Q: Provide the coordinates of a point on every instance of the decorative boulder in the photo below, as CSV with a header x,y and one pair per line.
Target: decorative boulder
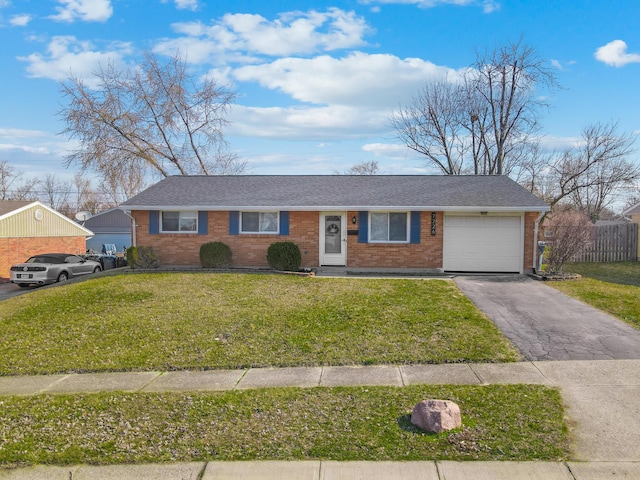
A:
x,y
436,416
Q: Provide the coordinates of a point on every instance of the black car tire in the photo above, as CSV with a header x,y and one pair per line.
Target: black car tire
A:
x,y
63,277
97,269
23,285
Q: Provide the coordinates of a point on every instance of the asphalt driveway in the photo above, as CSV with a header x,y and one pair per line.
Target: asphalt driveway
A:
x,y
545,324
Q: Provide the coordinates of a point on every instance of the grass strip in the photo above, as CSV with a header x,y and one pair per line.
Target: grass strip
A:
x,y
610,287
178,321
500,422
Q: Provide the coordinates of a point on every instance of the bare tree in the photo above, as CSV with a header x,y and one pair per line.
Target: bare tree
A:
x,y
57,194
157,117
570,232
363,168
509,81
484,121
431,125
123,184
12,187
588,176
8,176
86,197
26,190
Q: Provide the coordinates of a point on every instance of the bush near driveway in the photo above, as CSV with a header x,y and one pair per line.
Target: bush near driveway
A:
x,y
169,321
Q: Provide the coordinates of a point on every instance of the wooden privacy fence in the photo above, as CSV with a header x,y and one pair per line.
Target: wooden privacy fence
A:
x,y
612,243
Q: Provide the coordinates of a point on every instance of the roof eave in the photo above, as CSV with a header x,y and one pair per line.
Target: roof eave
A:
x,y
331,208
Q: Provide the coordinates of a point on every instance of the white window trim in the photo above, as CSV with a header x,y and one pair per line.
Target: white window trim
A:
x,y
181,232
408,227
276,232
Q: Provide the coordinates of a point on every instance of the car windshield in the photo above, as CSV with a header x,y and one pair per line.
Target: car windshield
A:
x,y
46,259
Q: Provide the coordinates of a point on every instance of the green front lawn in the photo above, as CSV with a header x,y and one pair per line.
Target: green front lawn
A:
x,y
500,422
168,321
611,287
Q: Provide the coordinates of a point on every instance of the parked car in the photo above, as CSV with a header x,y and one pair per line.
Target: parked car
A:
x,y
50,268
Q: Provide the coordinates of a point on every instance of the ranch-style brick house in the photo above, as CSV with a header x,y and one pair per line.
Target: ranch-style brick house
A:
x,y
359,222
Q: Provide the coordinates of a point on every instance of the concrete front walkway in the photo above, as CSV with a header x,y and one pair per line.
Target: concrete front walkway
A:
x,y
545,324
602,405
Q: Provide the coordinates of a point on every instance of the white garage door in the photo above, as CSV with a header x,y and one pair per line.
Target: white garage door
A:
x,y
482,244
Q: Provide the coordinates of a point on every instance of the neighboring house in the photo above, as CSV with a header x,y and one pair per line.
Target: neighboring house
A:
x,y
30,228
366,222
109,227
634,214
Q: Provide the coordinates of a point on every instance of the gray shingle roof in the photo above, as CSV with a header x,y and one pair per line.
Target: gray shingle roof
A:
x,y
327,192
8,206
109,221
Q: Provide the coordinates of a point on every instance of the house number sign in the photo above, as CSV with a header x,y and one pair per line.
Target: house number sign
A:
x,y
433,223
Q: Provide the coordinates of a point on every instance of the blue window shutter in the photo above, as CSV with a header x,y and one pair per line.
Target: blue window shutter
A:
x,y
203,223
414,228
154,222
234,222
363,227
284,223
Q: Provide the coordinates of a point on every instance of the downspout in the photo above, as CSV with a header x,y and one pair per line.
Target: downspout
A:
x,y
133,228
535,242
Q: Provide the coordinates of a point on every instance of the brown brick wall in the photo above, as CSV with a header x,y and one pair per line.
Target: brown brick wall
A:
x,y
248,250
251,250
426,254
17,250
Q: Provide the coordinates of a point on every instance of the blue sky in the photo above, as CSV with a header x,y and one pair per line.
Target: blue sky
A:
x,y
316,81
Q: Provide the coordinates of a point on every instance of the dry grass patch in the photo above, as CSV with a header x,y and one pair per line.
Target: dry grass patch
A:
x,y
500,422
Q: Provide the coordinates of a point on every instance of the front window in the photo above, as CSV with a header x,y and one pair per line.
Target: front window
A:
x,y
389,227
259,222
179,222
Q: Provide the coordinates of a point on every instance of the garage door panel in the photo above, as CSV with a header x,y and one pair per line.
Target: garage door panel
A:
x,y
483,244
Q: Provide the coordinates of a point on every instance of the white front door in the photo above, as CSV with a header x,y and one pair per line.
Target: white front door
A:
x,y
333,238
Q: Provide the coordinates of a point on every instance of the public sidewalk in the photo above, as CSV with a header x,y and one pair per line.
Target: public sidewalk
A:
x,y
602,400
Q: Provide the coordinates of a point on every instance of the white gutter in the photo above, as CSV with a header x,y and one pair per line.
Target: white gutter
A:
x,y
133,227
333,208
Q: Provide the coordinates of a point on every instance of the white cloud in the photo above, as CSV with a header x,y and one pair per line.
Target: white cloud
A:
x,y
68,56
187,5
85,10
488,6
21,133
20,20
338,98
305,123
294,33
615,54
192,5
361,80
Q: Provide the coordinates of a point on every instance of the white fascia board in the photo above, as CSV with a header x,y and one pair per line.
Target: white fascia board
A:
x,y
332,208
87,232
21,209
